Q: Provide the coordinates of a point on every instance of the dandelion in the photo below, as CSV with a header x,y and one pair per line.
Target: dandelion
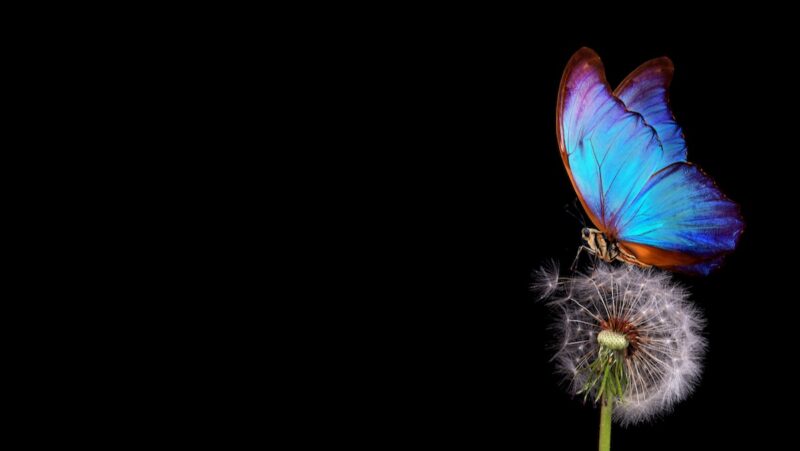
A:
x,y
630,340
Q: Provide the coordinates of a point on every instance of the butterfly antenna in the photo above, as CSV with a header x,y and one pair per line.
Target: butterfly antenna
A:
x,y
576,212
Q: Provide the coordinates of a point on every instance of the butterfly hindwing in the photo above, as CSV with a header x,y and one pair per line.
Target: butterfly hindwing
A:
x,y
682,212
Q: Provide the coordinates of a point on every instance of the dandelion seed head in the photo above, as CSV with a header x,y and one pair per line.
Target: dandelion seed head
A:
x,y
639,313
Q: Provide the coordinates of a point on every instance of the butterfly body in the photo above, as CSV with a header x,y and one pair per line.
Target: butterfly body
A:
x,y
605,249
626,158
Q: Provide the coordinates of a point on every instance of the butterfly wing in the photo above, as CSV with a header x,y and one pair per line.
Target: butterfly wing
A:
x,y
681,221
608,151
646,91
657,227
627,164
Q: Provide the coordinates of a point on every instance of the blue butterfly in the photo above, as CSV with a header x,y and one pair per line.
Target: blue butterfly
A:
x,y
626,158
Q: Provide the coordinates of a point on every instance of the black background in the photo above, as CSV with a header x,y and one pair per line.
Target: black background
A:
x,y
463,194
424,186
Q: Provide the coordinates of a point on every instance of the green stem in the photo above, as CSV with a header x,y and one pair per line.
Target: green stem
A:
x,y
605,423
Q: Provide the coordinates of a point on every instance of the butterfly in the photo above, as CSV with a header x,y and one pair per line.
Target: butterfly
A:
x,y
626,159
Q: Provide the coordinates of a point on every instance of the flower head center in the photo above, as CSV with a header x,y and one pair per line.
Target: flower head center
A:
x,y
612,340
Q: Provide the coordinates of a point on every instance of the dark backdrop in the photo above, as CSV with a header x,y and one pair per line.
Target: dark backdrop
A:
x,y
458,133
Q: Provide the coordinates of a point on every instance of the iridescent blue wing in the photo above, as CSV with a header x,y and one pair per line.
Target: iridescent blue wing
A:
x,y
635,184
608,151
681,221
646,91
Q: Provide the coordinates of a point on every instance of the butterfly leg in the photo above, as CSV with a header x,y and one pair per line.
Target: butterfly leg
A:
x,y
578,255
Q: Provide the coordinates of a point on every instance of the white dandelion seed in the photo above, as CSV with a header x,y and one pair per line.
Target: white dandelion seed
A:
x,y
643,348
546,280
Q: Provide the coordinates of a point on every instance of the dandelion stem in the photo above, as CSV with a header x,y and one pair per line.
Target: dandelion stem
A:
x,y
605,423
